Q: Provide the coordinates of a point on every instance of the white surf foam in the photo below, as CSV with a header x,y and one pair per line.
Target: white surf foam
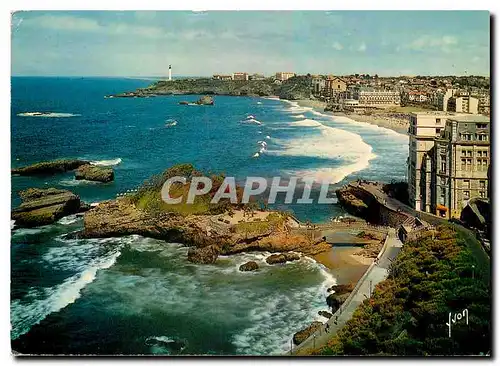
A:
x,y
75,182
12,224
268,137
329,143
25,314
252,121
298,116
110,162
269,327
306,123
48,114
68,220
170,123
256,155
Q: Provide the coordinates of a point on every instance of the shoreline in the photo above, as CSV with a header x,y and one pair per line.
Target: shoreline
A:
x,y
396,125
344,264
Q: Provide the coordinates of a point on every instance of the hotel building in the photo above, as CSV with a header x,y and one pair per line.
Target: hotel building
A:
x,y
282,76
448,161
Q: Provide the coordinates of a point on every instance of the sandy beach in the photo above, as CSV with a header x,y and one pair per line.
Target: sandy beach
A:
x,y
379,119
344,264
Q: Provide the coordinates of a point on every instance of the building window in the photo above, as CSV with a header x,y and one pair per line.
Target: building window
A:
x,y
463,165
466,184
481,194
466,195
438,120
469,153
482,184
464,153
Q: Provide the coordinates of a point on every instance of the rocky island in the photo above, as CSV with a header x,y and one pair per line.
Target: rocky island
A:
x,y
208,229
45,206
83,170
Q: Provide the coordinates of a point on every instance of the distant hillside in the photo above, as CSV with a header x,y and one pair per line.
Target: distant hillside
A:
x,y
298,87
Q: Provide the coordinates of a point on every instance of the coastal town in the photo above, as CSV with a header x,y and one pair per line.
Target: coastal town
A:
x,y
447,119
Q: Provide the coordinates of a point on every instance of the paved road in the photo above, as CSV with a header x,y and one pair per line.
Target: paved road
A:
x,y
374,275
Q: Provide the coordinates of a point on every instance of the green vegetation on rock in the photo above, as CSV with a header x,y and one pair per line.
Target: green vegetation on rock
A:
x,y
298,87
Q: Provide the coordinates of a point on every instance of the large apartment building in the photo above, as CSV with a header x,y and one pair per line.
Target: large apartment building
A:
x,y
462,159
370,96
424,128
282,75
448,161
240,76
463,104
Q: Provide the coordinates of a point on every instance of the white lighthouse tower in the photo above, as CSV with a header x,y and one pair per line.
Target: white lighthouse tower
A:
x,y
169,72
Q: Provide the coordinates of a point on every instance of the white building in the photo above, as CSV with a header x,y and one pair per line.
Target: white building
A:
x,y
368,96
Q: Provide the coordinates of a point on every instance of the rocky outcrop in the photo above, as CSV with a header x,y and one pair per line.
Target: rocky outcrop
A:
x,y
351,202
207,237
302,335
298,87
325,314
282,258
50,167
205,100
204,255
334,301
341,289
249,266
45,206
95,173
277,241
361,202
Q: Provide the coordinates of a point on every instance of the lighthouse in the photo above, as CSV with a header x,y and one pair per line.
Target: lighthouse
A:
x,y
169,72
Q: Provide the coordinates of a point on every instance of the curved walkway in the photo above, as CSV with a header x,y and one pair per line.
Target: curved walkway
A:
x,y
376,273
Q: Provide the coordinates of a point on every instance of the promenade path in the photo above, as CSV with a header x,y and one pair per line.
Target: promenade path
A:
x,y
376,273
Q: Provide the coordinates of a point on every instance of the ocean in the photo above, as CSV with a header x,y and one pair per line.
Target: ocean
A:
x,y
135,295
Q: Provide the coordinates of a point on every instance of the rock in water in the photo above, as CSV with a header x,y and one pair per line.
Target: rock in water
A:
x,y
205,100
341,289
50,167
204,255
282,258
95,173
302,335
335,300
249,266
44,206
326,314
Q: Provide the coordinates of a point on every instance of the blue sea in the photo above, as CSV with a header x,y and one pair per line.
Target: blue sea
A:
x,y
135,295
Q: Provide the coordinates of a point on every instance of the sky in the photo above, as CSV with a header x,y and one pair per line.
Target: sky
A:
x,y
144,43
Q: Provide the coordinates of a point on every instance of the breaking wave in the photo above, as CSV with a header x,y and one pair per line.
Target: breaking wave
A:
x,y
110,162
40,302
48,114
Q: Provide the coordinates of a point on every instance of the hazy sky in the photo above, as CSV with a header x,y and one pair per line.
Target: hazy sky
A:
x,y
144,43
